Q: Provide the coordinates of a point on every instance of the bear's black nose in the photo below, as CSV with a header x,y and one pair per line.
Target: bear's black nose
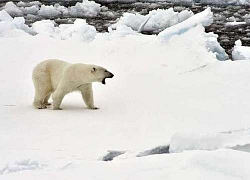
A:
x,y
112,75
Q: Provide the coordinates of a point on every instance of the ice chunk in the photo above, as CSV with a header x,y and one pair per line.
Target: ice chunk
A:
x,y
85,9
205,18
79,31
46,27
240,52
234,23
7,23
158,19
29,4
12,9
214,46
19,23
4,16
48,11
30,10
63,10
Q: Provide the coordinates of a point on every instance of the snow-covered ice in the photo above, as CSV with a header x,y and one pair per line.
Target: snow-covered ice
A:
x,y
161,90
240,52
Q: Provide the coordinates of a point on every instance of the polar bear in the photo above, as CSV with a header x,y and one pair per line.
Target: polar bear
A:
x,y
60,78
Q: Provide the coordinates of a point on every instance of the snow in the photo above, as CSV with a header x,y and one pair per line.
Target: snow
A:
x,y
240,52
159,19
165,94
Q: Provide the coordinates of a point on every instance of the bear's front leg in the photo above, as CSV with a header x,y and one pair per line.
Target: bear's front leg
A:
x,y
87,95
57,99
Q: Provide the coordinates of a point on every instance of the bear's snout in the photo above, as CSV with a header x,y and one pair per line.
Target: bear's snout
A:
x,y
109,75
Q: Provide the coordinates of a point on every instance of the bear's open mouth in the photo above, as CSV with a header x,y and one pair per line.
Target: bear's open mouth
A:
x,y
103,81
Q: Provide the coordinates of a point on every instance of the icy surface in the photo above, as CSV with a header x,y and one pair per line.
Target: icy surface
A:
x,y
240,52
192,141
158,19
160,89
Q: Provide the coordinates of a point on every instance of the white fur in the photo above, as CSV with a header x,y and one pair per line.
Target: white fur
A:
x,y
60,78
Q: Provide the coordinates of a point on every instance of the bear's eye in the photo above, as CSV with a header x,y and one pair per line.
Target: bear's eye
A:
x,y
105,71
94,69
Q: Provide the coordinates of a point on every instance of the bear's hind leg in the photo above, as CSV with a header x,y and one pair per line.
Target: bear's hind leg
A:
x,y
38,100
42,89
46,100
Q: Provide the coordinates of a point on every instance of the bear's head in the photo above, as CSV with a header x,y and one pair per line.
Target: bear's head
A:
x,y
99,74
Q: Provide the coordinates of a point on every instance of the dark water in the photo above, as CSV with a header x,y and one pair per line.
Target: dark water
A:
x,y
227,34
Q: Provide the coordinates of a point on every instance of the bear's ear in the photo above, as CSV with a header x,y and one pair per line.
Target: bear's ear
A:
x,y
93,69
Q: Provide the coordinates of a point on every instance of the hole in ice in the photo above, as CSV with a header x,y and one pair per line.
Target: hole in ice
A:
x,y
245,148
156,150
111,155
